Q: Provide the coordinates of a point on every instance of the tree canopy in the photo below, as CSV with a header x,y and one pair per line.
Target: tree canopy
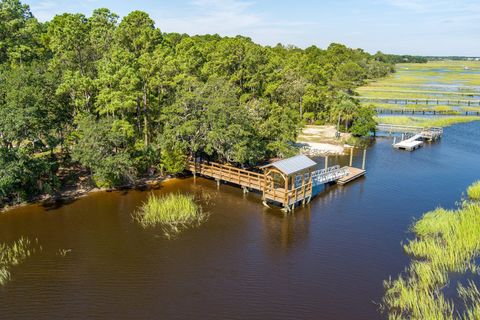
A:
x,y
121,98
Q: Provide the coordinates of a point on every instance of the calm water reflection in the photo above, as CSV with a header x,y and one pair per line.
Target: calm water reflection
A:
x,y
326,261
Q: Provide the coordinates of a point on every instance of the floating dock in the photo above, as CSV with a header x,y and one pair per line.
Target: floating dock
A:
x,y
353,173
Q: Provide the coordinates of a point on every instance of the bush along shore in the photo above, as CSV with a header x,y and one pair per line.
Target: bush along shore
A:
x,y
447,242
172,212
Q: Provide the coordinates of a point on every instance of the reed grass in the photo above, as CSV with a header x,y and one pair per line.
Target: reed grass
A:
x,y
473,191
12,255
426,122
172,212
447,241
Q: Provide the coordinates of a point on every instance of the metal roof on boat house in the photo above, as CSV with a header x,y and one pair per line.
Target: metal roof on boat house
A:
x,y
293,164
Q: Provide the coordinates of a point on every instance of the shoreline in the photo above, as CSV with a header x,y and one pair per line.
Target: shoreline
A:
x,y
322,140
73,193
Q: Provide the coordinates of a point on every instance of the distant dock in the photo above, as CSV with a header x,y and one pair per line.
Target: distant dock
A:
x,y
413,137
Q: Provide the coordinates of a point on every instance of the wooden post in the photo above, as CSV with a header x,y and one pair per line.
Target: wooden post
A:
x,y
351,156
326,162
286,190
264,184
303,186
364,158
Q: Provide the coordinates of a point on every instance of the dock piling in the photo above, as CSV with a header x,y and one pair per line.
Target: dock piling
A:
x,y
364,158
351,156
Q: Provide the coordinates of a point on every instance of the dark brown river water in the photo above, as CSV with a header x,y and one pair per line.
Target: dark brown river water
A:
x,y
326,261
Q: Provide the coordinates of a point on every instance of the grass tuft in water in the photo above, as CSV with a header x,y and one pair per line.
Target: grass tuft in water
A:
x,y
173,212
12,255
447,241
473,191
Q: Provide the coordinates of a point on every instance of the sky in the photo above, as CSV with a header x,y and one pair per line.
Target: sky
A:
x,y
419,27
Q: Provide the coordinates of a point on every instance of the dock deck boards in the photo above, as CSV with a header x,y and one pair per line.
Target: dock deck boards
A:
x,y
354,173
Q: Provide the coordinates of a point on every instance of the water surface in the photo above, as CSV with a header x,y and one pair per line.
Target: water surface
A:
x,y
326,261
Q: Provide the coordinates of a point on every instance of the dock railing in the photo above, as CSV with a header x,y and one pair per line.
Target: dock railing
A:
x,y
242,177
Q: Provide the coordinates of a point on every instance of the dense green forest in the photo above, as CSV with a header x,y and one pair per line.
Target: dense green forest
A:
x,y
119,99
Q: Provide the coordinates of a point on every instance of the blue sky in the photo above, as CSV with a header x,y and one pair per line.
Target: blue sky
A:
x,y
425,27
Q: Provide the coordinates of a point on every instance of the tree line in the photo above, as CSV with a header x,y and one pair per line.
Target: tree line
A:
x,y
393,58
119,99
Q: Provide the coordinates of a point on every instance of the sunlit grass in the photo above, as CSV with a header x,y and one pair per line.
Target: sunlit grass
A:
x,y
471,109
426,122
12,255
173,212
413,107
473,191
444,81
446,241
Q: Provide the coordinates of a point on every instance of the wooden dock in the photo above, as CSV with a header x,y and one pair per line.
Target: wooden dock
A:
x,y
286,193
405,101
287,182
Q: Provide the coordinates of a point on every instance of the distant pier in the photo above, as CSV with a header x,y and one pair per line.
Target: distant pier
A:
x,y
413,137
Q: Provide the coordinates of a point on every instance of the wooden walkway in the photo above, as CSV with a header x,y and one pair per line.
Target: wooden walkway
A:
x,y
221,172
402,101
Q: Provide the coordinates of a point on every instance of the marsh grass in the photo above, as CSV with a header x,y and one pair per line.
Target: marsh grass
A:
x,y
473,191
447,241
12,255
172,212
426,122
447,80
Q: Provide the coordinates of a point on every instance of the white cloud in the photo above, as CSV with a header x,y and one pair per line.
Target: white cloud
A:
x,y
416,5
228,17
438,6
